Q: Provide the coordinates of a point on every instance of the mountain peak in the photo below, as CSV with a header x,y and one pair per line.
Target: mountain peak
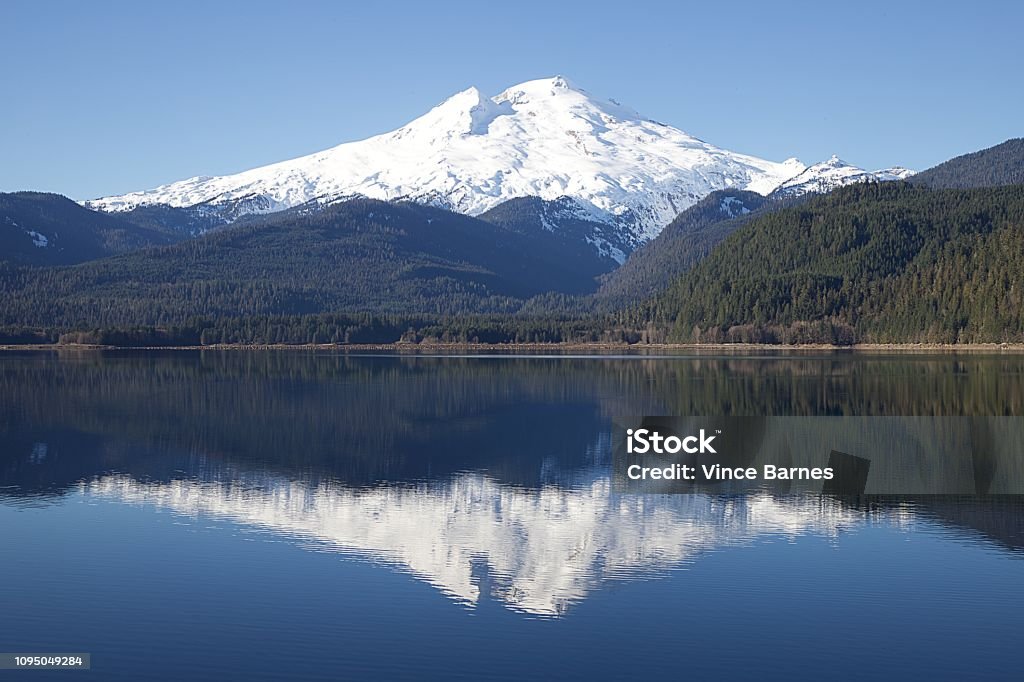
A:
x,y
472,93
549,84
468,112
832,173
540,89
562,82
461,102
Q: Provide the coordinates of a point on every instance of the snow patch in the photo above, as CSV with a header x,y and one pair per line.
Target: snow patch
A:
x,y
39,240
894,173
732,207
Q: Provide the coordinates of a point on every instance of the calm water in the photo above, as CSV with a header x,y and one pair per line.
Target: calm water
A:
x,y
242,515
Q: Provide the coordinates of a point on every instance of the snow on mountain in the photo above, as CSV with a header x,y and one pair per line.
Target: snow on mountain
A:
x,y
39,240
545,138
766,184
732,207
545,549
828,175
894,173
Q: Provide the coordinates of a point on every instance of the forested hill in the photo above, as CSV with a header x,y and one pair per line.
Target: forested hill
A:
x,y
361,255
992,167
37,228
868,263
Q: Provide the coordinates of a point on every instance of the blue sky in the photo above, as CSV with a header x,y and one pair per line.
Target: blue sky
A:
x,y
107,97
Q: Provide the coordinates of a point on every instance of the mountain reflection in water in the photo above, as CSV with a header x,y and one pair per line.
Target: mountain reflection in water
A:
x,y
544,549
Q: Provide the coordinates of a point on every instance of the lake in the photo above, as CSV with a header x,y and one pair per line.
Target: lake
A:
x,y
317,515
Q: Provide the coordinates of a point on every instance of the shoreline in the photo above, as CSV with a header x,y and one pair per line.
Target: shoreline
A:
x,y
637,349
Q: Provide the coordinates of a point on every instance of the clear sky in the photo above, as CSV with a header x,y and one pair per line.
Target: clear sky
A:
x,y
106,97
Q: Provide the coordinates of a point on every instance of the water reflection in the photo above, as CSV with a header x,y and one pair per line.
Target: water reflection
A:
x,y
543,549
486,477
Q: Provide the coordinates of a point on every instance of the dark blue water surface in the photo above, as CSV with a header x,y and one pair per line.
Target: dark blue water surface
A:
x,y
298,515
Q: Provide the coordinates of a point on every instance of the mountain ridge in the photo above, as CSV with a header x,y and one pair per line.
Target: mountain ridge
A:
x,y
362,255
823,177
41,228
1001,164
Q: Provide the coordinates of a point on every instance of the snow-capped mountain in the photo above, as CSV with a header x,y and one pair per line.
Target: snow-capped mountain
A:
x,y
894,173
828,175
544,138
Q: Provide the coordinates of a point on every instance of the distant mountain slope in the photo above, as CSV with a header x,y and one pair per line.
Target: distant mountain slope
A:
x,y
1000,165
48,229
875,262
565,221
826,176
545,138
185,222
697,230
682,244
361,255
